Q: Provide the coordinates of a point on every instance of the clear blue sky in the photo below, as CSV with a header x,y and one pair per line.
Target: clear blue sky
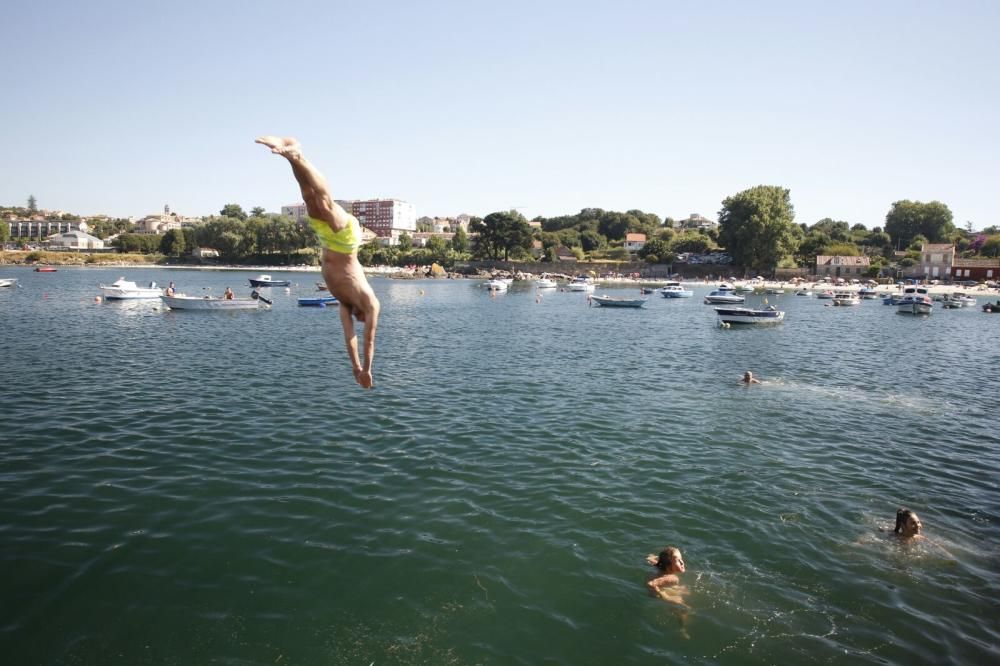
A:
x,y
550,107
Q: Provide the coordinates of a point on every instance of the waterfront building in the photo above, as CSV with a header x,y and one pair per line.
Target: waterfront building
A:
x,y
635,242
35,228
157,224
74,240
935,260
978,269
840,266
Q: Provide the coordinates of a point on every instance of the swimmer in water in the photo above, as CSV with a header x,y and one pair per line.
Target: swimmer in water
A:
x,y
908,525
667,585
748,379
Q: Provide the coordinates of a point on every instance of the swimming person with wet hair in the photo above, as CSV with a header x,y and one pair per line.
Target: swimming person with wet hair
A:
x,y
667,585
340,234
748,379
908,524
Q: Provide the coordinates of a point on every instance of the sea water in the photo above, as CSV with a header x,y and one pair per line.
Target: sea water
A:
x,y
194,487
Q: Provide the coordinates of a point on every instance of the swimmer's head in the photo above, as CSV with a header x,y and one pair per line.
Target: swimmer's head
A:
x,y
747,376
670,560
907,523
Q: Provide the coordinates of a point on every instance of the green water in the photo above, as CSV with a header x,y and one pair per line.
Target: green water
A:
x,y
194,488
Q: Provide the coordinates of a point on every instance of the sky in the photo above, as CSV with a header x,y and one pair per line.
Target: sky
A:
x,y
473,107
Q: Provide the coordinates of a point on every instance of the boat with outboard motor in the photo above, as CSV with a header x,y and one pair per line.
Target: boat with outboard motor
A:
x,y
266,281
724,294
915,301
609,302
212,303
8,282
122,289
769,315
675,290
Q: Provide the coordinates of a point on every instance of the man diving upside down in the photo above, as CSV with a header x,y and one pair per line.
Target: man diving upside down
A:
x,y
340,233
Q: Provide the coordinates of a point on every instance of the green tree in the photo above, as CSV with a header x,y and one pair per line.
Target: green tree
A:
x,y
656,251
234,211
32,204
906,219
460,241
842,250
405,242
4,232
501,234
755,226
691,241
172,243
591,240
437,247
257,211
990,247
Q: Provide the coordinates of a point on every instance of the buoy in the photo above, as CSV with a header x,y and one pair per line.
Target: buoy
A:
x,y
421,292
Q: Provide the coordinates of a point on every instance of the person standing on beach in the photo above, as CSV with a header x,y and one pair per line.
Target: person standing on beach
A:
x,y
340,233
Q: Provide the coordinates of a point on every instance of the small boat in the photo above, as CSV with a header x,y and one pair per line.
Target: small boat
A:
x,y
182,302
992,307
266,281
8,282
581,283
646,291
804,292
496,285
724,294
122,289
846,298
321,286
962,298
45,269
892,299
825,294
675,290
769,315
867,293
545,282
318,301
950,303
915,301
609,302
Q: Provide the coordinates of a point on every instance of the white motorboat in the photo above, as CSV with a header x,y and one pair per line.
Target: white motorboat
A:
x,y
825,294
675,290
496,285
724,294
609,302
915,301
545,282
8,282
846,298
182,302
804,292
867,293
581,283
263,280
122,289
769,315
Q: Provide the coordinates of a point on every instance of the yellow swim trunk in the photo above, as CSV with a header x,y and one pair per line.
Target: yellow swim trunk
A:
x,y
345,241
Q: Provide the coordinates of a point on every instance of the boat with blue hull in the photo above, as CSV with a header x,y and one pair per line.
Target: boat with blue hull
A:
x,y
318,301
609,302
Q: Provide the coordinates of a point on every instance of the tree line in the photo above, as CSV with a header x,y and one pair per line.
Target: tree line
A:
x,y
756,228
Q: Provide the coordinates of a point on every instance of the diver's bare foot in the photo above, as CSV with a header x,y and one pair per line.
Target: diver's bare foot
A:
x,y
287,145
